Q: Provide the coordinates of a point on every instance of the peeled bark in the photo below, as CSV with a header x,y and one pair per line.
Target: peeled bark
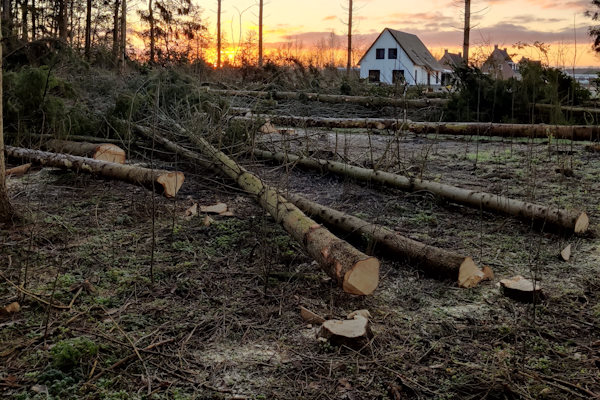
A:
x,y
570,220
331,98
164,182
540,131
354,271
433,260
103,152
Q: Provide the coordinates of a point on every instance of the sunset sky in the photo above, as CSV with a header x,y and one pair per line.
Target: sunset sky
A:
x,y
437,22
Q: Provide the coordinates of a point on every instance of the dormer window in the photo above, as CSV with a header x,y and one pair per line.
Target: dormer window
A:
x,y
380,54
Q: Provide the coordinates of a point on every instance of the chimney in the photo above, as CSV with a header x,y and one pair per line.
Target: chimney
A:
x,y
495,47
445,51
506,48
460,54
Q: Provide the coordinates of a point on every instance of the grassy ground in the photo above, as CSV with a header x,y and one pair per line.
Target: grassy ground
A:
x,y
221,318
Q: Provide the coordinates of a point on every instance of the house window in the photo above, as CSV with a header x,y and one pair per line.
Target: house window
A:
x,y
374,75
393,54
398,76
380,54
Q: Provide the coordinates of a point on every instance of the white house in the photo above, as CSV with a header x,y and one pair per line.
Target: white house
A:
x,y
399,56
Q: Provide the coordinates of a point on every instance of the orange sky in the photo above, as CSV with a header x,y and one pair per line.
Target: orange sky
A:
x,y
438,23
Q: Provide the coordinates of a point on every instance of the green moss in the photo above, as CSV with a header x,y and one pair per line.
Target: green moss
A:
x,y
68,354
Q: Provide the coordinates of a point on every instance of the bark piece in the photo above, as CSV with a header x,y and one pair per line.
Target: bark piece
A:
x,y
103,152
352,270
434,260
521,289
565,254
18,171
352,332
310,317
165,182
570,220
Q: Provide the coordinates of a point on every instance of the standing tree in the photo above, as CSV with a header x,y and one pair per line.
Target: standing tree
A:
x,y
123,49
467,31
218,33
115,32
595,30
24,12
260,33
88,29
62,20
6,211
349,62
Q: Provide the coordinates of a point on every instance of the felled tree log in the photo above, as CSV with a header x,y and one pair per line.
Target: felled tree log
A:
x,y
538,131
570,220
103,152
368,101
353,270
433,260
164,182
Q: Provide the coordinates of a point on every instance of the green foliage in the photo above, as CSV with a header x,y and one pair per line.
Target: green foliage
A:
x,y
67,354
35,100
479,97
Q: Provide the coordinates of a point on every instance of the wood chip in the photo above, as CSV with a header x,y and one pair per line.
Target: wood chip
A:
x,y
360,313
352,333
191,211
207,221
310,317
218,208
565,254
470,275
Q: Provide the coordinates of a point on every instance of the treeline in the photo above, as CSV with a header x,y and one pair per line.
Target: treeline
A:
x,y
172,30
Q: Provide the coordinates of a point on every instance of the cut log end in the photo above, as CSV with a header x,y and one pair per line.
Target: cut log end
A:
x,y
352,333
582,223
110,153
171,183
363,278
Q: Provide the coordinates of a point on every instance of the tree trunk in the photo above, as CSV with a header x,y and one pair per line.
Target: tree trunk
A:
x,y
218,33
433,260
7,24
123,48
62,21
331,98
467,31
354,271
88,30
260,33
7,212
152,39
539,131
569,220
24,22
33,20
115,36
349,62
103,152
164,182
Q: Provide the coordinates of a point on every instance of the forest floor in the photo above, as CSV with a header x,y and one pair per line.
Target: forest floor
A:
x,y
221,320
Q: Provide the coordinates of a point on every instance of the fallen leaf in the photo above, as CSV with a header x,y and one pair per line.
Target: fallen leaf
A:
x,y
268,128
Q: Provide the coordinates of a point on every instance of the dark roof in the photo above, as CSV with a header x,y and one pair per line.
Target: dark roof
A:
x,y
499,55
451,60
413,47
